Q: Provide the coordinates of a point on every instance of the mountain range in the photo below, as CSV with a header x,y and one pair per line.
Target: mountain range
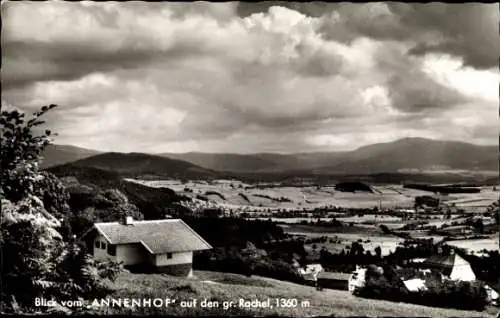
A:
x,y
404,155
408,155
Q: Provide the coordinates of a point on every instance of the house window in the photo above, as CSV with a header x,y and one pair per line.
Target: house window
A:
x,y
169,255
103,245
97,244
112,250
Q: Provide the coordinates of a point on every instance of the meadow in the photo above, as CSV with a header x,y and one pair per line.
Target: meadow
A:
x,y
233,193
243,197
478,245
223,287
336,242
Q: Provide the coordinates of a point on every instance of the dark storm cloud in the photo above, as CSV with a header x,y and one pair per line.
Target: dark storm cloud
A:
x,y
216,77
27,58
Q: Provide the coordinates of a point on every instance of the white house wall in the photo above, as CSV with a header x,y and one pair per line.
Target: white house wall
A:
x,y
462,270
359,281
99,253
131,254
462,273
177,258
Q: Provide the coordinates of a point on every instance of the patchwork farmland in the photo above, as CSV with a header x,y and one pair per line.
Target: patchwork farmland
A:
x,y
233,193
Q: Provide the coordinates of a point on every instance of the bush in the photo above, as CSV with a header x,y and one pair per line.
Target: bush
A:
x,y
40,262
448,294
215,193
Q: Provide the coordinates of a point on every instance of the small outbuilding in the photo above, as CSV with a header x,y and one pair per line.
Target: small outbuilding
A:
x,y
334,280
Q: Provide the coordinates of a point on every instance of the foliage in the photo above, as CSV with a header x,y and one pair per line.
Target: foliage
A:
x,y
442,189
215,193
494,208
40,261
454,294
249,247
21,152
346,260
31,245
486,267
415,248
387,285
53,194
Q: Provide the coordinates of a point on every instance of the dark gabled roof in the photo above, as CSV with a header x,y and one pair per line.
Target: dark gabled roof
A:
x,y
333,276
159,236
444,263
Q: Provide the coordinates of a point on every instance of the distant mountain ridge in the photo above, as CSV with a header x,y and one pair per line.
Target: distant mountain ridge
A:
x,y
402,155
418,155
55,155
141,165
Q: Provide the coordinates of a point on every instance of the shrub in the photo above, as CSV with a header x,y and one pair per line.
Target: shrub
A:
x,y
449,294
215,193
40,262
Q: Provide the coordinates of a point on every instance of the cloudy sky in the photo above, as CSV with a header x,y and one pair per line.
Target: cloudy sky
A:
x,y
246,77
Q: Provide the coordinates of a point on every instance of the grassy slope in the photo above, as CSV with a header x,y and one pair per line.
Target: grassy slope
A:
x,y
231,287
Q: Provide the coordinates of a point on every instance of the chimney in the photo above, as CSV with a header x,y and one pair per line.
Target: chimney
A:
x,y
128,220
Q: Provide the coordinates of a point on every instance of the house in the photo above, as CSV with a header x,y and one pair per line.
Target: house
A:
x,y
415,284
357,279
334,280
311,269
310,273
427,201
161,245
451,266
493,296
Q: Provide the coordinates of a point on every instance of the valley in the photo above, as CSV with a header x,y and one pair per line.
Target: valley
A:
x,y
298,209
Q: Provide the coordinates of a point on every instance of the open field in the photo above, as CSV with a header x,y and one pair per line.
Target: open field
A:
x,y
340,240
490,244
291,220
233,193
245,197
223,287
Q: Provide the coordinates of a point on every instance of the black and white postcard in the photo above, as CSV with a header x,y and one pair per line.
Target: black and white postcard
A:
x,y
277,158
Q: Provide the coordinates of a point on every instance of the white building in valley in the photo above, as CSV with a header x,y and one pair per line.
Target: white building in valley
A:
x,y
451,266
163,245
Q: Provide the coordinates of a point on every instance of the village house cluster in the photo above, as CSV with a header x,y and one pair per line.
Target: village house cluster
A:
x,y
446,267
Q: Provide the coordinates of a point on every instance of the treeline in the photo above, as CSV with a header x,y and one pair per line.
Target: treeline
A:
x,y
281,199
235,231
386,284
443,189
353,187
347,259
244,197
215,193
153,203
247,247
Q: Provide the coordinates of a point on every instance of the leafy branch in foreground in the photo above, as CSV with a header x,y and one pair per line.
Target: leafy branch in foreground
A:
x,y
21,152
36,261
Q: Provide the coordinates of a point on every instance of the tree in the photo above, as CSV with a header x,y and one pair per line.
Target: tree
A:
x,y
378,252
479,225
21,153
40,262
